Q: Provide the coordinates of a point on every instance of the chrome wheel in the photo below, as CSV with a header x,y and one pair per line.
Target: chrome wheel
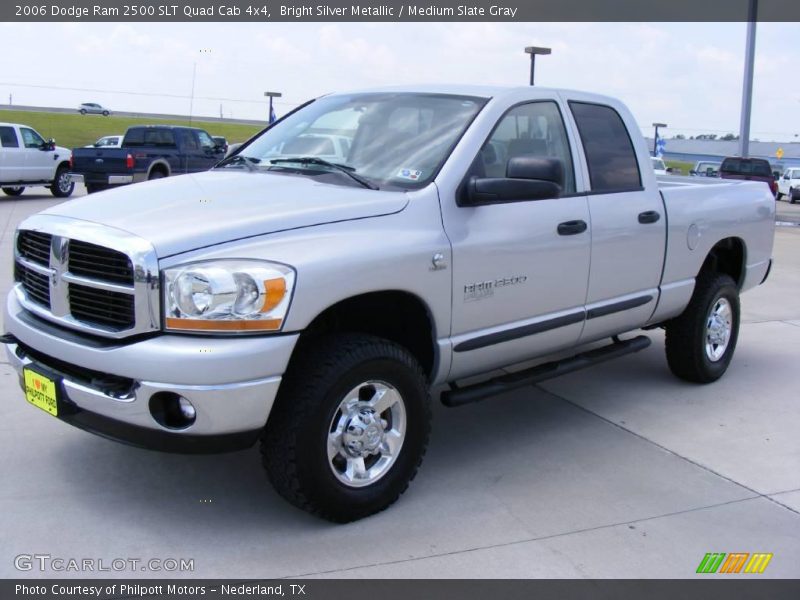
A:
x,y
719,326
64,182
366,434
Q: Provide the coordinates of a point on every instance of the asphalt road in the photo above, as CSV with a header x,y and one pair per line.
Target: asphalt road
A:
x,y
617,471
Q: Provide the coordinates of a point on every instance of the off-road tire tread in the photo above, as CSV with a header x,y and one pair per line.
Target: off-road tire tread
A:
x,y
317,366
685,356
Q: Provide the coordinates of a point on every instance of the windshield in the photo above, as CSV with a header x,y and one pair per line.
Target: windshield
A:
x,y
658,164
395,140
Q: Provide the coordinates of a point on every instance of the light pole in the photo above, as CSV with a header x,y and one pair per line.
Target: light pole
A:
x,y
271,95
655,138
747,87
533,51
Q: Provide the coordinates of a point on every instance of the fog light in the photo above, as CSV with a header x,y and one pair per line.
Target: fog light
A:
x,y
187,410
172,410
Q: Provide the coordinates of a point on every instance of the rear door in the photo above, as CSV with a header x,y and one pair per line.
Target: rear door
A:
x,y
39,163
628,223
12,155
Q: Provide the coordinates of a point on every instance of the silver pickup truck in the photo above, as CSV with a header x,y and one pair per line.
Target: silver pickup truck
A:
x,y
312,289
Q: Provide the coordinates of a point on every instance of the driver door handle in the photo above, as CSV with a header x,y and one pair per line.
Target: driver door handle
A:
x,y
572,227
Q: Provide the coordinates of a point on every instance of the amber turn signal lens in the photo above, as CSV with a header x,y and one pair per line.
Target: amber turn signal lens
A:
x,y
201,325
275,291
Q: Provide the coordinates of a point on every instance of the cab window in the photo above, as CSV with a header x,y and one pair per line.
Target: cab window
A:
x,y
533,129
8,137
30,138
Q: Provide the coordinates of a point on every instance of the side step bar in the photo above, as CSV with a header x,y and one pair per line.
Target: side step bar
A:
x,y
459,396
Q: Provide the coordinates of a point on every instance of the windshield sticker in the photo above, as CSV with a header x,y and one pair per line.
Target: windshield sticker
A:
x,y
409,174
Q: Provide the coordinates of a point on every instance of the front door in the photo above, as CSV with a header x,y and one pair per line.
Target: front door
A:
x,y
39,163
519,275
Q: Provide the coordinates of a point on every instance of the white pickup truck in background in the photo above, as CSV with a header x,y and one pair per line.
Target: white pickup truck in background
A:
x,y
27,160
314,304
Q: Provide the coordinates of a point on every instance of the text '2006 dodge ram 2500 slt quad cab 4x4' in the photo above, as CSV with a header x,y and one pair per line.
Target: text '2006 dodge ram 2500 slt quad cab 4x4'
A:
x,y
312,303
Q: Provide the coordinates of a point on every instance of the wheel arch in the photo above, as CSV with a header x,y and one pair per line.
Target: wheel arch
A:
x,y
729,256
159,165
395,315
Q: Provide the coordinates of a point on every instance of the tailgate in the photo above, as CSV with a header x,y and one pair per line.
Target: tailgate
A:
x,y
100,161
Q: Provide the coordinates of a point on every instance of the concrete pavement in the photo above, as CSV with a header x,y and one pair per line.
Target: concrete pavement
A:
x,y
617,471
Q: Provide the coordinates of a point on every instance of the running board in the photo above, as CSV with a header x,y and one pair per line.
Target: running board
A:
x,y
457,396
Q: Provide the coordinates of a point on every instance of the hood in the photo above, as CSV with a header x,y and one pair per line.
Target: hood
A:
x,y
183,213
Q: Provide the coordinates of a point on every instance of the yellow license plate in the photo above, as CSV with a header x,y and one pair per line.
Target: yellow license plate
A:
x,y
41,391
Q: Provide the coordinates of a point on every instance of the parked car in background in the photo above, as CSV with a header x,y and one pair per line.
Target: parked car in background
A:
x,y
147,152
750,169
27,160
221,142
92,108
704,168
108,141
789,185
658,165
315,305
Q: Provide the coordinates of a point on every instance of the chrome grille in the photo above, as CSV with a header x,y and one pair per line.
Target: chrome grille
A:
x,y
35,246
36,285
90,260
101,307
86,276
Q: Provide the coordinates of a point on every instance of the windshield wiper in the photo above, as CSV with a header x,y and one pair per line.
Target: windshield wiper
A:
x,y
314,160
248,161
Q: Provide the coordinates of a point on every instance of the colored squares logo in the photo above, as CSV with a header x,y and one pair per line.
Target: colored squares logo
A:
x,y
735,562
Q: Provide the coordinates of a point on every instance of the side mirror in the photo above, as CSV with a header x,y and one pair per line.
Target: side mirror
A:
x,y
527,178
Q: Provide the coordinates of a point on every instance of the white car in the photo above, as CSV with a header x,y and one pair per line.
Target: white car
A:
x,y
658,165
108,141
705,168
789,185
27,160
92,108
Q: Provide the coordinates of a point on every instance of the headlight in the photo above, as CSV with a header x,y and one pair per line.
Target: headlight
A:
x,y
227,296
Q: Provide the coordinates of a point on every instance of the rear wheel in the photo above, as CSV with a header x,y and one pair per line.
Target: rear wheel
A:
x,y
83,111
13,191
349,428
156,174
701,341
62,184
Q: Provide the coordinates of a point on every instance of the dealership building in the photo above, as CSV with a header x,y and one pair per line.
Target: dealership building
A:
x,y
715,150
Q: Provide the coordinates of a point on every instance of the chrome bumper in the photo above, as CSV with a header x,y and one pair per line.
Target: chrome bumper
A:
x,y
232,383
112,179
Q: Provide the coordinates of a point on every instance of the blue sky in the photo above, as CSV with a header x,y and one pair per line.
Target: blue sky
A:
x,y
686,75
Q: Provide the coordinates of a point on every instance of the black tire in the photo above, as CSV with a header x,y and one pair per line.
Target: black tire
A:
x,y
792,198
778,196
83,111
13,191
686,335
105,113
156,174
62,187
295,440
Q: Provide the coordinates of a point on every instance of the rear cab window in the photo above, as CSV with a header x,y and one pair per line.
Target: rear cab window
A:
x,y
610,156
746,166
142,136
8,137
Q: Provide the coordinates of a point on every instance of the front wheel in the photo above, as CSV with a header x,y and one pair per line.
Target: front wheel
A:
x,y
62,184
105,113
792,198
350,427
13,191
701,341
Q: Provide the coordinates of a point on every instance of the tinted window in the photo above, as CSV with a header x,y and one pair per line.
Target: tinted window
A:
x,y
534,129
608,148
141,136
746,166
8,137
205,140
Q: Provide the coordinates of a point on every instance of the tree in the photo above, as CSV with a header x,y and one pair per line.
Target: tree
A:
x,y
729,137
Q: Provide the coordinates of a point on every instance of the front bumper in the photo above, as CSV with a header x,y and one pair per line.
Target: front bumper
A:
x,y
106,387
